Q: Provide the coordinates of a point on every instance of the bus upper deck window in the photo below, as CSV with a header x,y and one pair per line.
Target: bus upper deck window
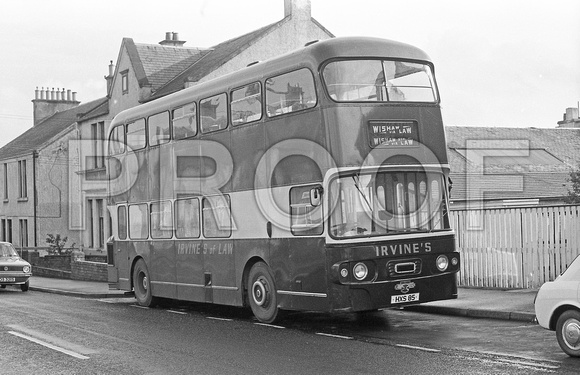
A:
x,y
117,140
214,113
380,81
136,138
158,128
246,104
184,121
290,92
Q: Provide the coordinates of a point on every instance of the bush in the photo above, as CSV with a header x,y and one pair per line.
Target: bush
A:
x,y
57,245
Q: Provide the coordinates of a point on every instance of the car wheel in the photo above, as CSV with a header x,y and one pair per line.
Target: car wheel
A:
x,y
24,287
142,285
262,293
568,332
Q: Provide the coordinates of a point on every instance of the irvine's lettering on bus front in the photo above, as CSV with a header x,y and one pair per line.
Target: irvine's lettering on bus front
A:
x,y
211,248
402,249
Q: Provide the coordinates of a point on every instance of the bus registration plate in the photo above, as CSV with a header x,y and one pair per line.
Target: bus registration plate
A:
x,y
7,279
413,297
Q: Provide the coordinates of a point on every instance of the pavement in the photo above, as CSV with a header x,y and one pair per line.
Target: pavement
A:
x,y
513,304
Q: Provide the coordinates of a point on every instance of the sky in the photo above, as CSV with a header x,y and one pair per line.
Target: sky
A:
x,y
498,63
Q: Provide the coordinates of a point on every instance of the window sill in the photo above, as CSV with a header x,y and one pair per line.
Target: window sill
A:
x,y
24,199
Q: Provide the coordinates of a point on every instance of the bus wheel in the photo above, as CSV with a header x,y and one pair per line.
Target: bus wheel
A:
x,y
262,293
142,285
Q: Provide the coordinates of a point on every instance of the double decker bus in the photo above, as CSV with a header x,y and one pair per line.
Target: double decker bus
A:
x,y
317,180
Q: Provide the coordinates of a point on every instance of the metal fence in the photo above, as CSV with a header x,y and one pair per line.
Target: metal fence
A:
x,y
516,247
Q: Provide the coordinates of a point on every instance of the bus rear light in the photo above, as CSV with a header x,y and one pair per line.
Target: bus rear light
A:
x,y
360,271
442,263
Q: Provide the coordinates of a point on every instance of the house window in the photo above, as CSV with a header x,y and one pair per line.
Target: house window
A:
x,y
98,153
22,188
23,232
8,231
3,229
125,81
5,181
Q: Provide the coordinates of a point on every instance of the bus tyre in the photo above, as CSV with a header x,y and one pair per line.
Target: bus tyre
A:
x,y
262,293
141,285
568,332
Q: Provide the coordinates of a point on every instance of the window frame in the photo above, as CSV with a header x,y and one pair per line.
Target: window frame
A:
x,y
201,117
195,116
260,100
151,137
314,91
142,145
177,221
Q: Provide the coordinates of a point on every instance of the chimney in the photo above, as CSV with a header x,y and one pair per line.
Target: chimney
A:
x,y
297,9
172,39
48,102
109,78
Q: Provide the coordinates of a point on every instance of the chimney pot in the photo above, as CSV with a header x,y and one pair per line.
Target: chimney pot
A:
x,y
74,96
36,93
68,98
175,36
168,35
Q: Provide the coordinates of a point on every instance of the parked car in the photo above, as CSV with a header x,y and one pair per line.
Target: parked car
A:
x,y
13,269
557,307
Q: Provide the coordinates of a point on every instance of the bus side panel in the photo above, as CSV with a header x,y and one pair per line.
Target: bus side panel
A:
x,y
189,270
299,265
219,271
162,268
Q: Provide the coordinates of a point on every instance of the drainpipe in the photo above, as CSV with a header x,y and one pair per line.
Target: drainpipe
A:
x,y
35,198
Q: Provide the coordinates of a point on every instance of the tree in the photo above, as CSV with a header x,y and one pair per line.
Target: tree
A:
x,y
573,196
57,244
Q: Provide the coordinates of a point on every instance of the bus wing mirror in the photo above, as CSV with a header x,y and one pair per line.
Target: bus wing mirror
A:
x,y
316,196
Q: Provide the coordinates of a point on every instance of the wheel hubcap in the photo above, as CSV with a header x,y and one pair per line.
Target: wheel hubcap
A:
x,y
260,292
144,283
571,333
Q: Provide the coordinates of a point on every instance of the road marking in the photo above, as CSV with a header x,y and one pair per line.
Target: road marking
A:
x,y
269,325
177,312
50,346
224,319
418,348
334,336
141,307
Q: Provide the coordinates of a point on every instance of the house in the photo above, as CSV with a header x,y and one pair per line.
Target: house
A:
x,y
503,167
54,178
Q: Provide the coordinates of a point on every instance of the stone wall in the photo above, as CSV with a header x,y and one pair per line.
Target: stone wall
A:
x,y
67,266
88,271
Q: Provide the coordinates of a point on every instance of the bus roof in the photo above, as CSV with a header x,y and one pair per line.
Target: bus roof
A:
x,y
313,54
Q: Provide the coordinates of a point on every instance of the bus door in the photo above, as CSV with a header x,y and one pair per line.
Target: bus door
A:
x,y
189,250
307,257
218,251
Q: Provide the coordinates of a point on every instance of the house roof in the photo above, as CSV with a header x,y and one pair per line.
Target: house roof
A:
x,y
37,136
155,64
511,163
212,59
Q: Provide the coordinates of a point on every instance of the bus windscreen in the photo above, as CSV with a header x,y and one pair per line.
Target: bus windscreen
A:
x,y
379,81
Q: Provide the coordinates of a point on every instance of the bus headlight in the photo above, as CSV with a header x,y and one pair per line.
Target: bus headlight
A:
x,y
442,263
360,271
